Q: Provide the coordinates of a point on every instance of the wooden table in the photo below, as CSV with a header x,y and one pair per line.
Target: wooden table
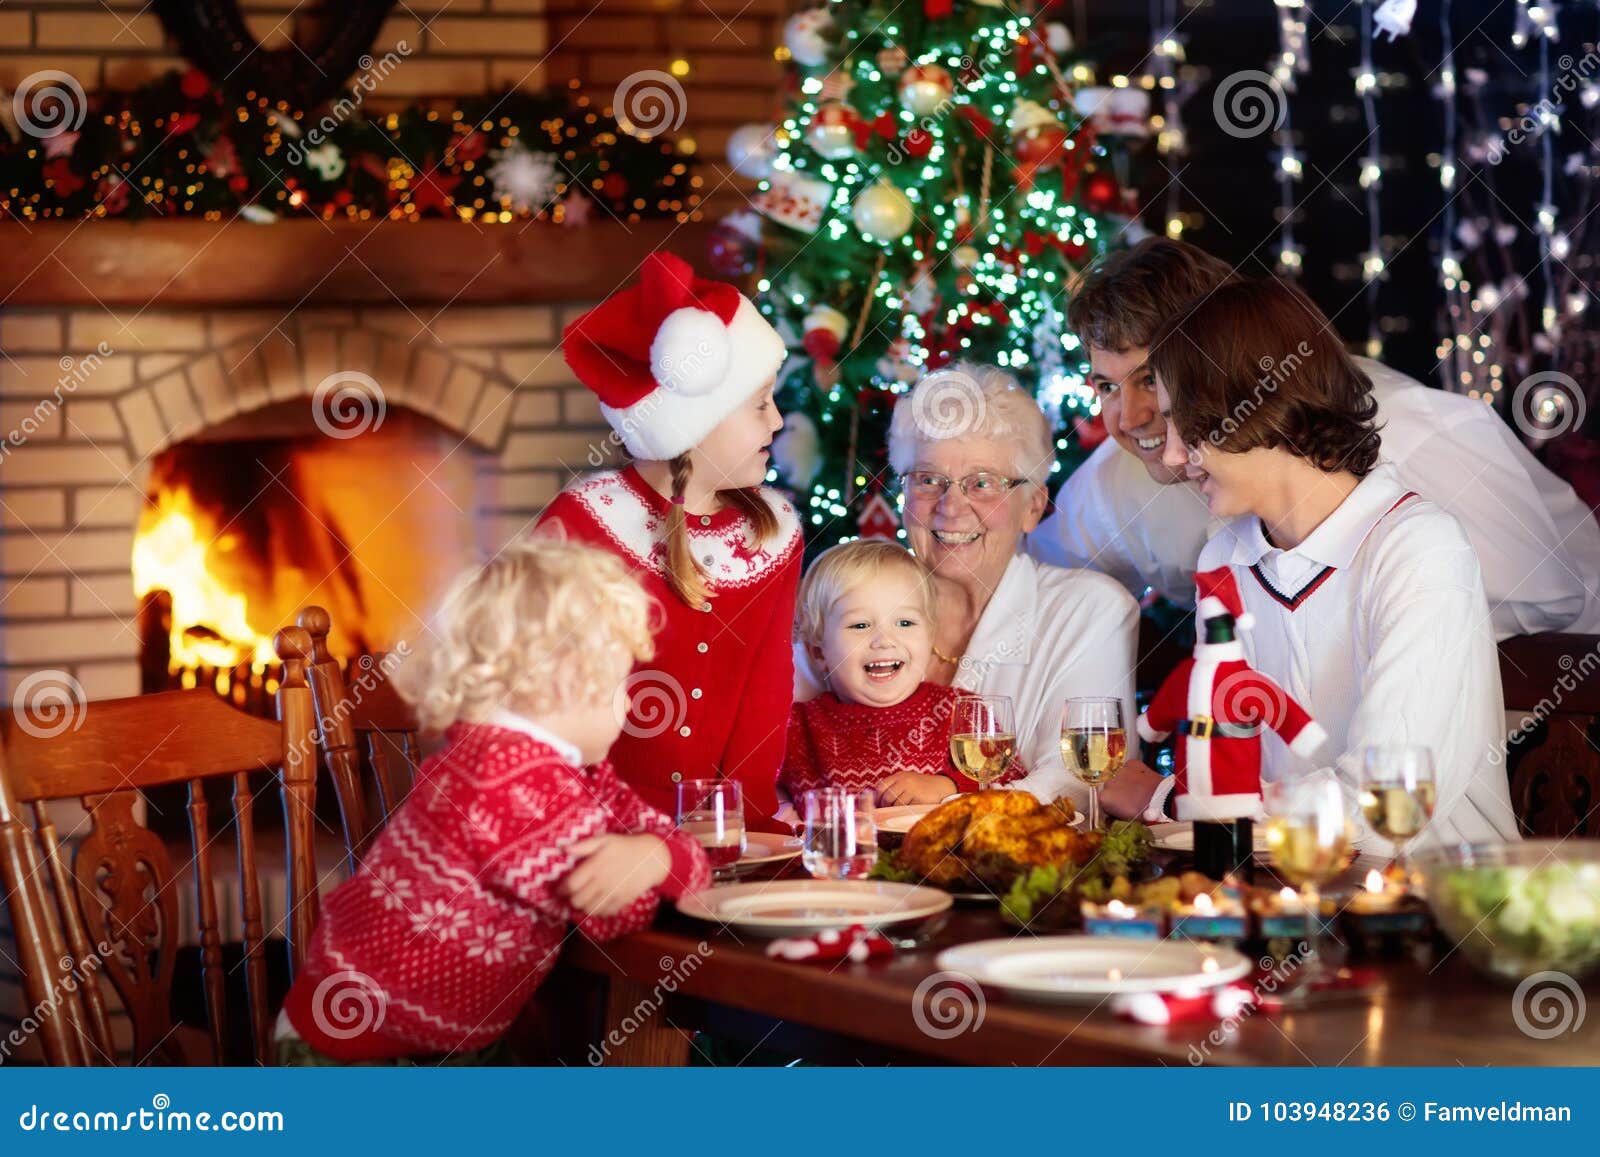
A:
x,y
661,983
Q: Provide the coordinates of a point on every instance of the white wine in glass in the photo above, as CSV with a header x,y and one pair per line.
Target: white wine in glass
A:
x,y
1309,835
1094,745
983,738
1398,792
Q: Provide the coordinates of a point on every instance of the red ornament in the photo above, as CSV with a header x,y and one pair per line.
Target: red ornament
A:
x,y
60,175
470,147
1091,431
919,143
877,518
886,126
431,189
937,9
194,84
821,344
182,123
615,186
113,195
1101,192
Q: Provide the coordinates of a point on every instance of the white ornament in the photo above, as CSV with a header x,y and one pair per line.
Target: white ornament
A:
x,y
1393,17
1091,104
832,131
925,88
1029,116
751,150
882,212
797,450
805,37
795,201
1127,112
327,161
524,179
1058,38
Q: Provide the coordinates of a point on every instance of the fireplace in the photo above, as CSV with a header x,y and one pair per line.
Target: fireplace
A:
x,y
224,433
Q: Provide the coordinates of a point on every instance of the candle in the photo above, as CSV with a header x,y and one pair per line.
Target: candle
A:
x,y
1211,917
1376,895
1116,918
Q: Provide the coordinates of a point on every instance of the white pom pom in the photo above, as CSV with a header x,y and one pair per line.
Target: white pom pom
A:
x,y
1245,621
690,353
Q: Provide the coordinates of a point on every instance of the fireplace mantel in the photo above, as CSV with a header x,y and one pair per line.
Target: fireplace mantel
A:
x,y
310,262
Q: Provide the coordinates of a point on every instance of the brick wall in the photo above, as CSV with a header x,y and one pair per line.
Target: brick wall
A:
x,y
456,47
72,488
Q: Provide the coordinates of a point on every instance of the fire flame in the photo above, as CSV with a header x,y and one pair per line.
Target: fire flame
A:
x,y
210,621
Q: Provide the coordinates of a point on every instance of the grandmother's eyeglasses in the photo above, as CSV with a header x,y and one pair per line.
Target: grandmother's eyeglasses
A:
x,y
978,488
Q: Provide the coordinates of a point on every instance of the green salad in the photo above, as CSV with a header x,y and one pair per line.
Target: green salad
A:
x,y
1520,917
1125,846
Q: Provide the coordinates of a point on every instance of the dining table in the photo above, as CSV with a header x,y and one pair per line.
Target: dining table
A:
x,y
671,988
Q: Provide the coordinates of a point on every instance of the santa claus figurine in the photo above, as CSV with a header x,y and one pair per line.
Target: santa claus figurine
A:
x,y
1218,705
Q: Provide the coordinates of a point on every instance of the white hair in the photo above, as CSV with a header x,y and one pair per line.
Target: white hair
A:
x,y
970,400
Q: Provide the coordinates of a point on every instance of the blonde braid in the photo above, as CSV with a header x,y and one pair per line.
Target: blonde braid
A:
x,y
683,573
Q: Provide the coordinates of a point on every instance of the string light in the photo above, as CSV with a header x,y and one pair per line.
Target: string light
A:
x,y
1293,60
1371,179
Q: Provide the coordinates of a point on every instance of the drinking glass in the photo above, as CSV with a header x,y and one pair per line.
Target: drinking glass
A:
x,y
983,737
712,811
1094,744
841,839
1309,834
1398,793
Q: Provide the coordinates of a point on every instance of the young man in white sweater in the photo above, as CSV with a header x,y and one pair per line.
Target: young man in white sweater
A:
x,y
1367,597
1128,515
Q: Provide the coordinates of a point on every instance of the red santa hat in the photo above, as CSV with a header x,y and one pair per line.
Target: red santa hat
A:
x,y
1218,594
671,356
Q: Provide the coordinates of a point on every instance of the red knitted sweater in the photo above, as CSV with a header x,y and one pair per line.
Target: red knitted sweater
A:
x,y
452,920
715,697
837,744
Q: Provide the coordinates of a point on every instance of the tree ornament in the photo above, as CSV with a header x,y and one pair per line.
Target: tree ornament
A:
x,y
797,450
1126,113
326,161
806,36
877,518
837,85
965,257
824,329
751,149
1037,138
734,244
796,201
882,212
924,89
892,61
1101,192
833,130
1093,105
1058,38
896,364
524,180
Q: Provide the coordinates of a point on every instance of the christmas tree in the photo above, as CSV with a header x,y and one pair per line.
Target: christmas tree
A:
x,y
934,185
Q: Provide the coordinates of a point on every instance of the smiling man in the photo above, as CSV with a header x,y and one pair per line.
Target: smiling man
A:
x,y
1127,513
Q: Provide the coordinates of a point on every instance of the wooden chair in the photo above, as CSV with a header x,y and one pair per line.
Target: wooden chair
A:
x,y
1553,758
367,734
114,908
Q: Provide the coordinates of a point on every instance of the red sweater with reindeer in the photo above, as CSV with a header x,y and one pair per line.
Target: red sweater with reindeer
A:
x,y
716,697
852,746
453,919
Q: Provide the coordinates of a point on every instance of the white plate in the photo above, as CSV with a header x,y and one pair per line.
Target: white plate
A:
x,y
1085,969
767,849
1179,837
803,907
901,819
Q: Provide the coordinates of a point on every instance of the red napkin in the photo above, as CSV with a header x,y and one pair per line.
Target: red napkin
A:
x,y
856,943
1174,1008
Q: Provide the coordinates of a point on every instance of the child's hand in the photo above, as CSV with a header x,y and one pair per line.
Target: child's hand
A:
x,y
613,871
908,787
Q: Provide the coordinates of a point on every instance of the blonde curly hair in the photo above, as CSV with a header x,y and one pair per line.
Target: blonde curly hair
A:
x,y
839,569
544,626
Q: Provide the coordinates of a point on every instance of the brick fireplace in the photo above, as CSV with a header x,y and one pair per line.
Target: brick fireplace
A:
x,y
92,392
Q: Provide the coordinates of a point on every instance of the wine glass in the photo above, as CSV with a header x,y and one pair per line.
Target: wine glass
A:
x,y
841,840
1094,744
712,811
1398,793
1309,835
983,737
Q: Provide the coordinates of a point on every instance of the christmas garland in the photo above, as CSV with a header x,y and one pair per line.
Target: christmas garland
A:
x,y
182,147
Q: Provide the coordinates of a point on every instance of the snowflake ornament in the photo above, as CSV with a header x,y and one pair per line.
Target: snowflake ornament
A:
x,y
525,180
326,161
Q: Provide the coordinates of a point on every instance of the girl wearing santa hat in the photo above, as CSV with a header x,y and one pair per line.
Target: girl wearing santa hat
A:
x,y
684,370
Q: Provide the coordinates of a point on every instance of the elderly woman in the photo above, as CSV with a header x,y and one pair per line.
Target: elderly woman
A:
x,y
973,452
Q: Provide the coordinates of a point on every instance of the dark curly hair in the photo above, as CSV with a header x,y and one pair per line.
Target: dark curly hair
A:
x,y
1256,363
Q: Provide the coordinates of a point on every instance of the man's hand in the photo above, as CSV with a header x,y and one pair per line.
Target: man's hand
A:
x,y
1126,796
